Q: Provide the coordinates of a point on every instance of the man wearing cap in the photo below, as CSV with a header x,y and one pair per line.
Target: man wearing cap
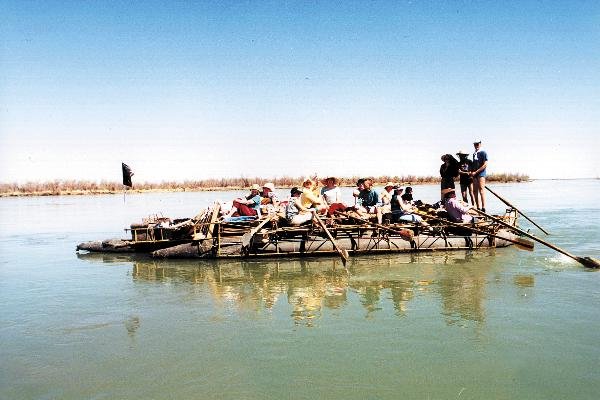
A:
x,y
466,181
480,161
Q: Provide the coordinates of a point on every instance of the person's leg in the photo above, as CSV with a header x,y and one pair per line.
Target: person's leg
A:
x,y
244,210
482,192
470,187
301,219
463,191
476,190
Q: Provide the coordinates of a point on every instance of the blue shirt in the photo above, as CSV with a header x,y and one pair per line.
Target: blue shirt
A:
x,y
479,157
368,198
256,199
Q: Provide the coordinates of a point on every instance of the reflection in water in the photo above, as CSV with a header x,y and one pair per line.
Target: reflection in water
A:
x,y
309,286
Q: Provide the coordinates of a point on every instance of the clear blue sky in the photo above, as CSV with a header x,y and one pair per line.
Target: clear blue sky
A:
x,y
190,90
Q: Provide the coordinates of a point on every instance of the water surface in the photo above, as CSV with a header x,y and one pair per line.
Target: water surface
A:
x,y
497,324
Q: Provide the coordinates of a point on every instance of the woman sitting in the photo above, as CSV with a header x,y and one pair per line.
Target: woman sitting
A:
x,y
310,197
295,213
405,211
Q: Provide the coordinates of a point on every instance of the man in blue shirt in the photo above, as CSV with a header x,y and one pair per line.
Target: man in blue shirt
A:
x,y
480,162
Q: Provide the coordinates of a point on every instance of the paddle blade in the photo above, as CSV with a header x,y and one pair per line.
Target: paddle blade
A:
x,y
524,244
589,262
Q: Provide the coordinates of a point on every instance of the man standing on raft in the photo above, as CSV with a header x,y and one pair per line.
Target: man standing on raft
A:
x,y
480,161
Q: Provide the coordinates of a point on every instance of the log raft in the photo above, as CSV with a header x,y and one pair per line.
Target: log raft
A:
x,y
205,237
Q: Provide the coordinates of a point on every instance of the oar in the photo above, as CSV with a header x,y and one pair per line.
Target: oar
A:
x,y
342,252
585,261
374,224
520,243
519,211
248,236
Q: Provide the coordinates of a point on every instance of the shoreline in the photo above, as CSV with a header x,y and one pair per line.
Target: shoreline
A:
x,y
114,189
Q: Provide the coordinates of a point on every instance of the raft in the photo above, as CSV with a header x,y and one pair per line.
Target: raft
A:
x,y
207,237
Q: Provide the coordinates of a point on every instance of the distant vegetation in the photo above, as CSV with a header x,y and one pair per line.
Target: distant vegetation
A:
x,y
73,187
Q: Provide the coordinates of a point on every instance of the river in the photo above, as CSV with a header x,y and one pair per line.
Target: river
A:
x,y
493,324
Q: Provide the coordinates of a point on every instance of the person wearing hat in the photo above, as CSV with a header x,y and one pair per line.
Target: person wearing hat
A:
x,y
457,210
464,170
248,206
385,198
268,195
448,172
480,162
295,213
367,198
310,197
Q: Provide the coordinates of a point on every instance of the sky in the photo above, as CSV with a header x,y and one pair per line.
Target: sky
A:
x,y
184,90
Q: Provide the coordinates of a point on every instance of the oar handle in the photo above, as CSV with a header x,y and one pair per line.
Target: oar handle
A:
x,y
502,199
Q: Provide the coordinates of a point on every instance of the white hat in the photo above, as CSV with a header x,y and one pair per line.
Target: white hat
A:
x,y
461,151
270,186
255,187
390,184
476,141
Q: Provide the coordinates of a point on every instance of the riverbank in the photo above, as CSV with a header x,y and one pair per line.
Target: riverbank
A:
x,y
78,188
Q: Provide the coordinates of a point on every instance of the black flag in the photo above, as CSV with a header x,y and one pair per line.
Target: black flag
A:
x,y
127,174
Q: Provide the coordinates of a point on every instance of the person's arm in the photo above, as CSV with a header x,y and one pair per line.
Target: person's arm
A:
x,y
310,195
478,170
299,204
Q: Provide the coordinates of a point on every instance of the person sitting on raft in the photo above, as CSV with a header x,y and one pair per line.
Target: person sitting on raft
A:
x,y
367,198
332,195
310,197
248,206
295,213
406,211
385,206
457,210
269,200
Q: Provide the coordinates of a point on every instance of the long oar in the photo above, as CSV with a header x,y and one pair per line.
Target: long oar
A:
x,y
342,252
249,236
585,261
520,243
372,223
519,211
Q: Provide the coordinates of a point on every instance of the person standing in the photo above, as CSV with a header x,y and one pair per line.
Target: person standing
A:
x,y
448,171
480,162
465,166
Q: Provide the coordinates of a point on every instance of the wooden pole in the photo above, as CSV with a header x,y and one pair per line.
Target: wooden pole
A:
x,y
342,252
585,261
519,211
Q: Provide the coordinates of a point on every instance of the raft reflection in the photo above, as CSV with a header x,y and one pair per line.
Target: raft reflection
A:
x,y
311,286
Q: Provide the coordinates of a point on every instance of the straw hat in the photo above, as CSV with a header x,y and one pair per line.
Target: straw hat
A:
x,y
389,184
335,180
270,186
255,187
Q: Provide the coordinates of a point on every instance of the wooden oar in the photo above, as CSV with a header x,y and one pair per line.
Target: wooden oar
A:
x,y
519,211
342,252
520,243
585,261
248,236
386,228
